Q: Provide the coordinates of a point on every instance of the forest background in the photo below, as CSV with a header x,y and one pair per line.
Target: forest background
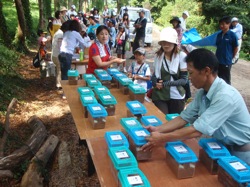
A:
x,y
20,20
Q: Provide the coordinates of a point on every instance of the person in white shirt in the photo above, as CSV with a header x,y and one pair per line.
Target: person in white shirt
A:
x,y
72,11
71,40
238,30
170,74
105,15
185,15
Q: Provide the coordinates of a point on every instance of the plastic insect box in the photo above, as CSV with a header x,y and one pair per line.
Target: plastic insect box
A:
x,y
233,172
132,177
105,79
85,91
116,77
88,76
121,158
93,82
135,109
136,92
85,100
170,117
73,77
151,120
123,84
210,152
116,139
97,115
181,159
129,123
109,102
136,141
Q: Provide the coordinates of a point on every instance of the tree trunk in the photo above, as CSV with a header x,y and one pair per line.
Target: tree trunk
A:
x,y
29,149
41,23
20,35
3,28
33,175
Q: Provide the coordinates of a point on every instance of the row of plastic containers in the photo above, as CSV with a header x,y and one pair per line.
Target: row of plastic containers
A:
x,y
106,78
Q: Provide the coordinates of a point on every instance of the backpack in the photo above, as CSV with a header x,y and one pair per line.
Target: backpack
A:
x,y
37,60
144,68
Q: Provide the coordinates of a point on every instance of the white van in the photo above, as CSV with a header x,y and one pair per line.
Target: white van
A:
x,y
133,16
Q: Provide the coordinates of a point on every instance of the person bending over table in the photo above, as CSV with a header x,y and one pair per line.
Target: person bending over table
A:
x,y
99,52
218,110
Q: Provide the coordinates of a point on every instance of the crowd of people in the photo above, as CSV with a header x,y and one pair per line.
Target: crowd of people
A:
x,y
217,110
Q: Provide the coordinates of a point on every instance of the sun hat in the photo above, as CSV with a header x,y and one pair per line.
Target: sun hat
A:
x,y
234,19
175,19
73,6
186,12
140,50
63,8
168,35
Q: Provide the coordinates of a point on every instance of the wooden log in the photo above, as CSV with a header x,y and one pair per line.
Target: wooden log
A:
x,y
6,126
6,174
29,149
33,176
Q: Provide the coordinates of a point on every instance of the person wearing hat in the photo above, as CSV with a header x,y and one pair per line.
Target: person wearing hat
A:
x,y
238,30
227,47
91,31
218,110
140,29
64,16
170,74
183,19
139,70
175,21
72,11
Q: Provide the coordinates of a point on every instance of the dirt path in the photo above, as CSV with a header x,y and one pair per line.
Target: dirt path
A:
x,y
45,102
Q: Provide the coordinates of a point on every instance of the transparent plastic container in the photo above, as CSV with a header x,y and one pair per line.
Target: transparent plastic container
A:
x,y
85,91
132,177
136,141
136,92
210,152
92,83
129,123
116,77
181,159
121,158
116,139
169,117
97,115
85,100
105,79
135,109
233,172
73,77
109,102
123,84
151,120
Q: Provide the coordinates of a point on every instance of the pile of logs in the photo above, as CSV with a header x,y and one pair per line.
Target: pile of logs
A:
x,y
38,149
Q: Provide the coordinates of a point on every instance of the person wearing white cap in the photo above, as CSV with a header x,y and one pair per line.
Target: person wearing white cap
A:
x,y
72,11
170,74
238,30
185,15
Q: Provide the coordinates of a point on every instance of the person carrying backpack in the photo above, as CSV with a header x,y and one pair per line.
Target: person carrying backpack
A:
x,y
139,71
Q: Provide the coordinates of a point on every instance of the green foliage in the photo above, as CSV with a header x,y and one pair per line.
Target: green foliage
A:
x,y
10,82
233,8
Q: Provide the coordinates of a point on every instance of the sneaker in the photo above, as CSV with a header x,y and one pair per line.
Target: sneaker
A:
x,y
124,70
132,57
